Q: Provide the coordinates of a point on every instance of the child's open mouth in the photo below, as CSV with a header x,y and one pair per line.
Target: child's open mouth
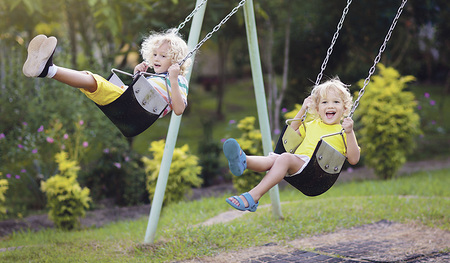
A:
x,y
330,114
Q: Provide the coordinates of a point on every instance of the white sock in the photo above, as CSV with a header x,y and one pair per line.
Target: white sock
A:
x,y
52,71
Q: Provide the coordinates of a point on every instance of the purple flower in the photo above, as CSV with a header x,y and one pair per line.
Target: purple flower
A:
x,y
24,124
41,128
34,151
283,110
419,107
232,122
50,140
432,102
8,175
23,171
85,144
433,122
276,131
20,146
66,136
2,136
63,147
81,122
17,176
106,150
426,95
223,140
118,165
127,159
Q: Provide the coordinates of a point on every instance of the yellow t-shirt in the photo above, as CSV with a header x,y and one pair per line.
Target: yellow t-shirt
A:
x,y
316,129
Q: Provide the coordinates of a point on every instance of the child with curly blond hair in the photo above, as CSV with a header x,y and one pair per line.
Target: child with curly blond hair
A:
x,y
329,102
161,51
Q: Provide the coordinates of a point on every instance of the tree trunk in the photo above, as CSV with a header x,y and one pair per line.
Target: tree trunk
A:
x,y
223,54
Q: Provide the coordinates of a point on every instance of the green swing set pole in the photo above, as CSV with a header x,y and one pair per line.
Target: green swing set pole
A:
x,y
172,135
258,83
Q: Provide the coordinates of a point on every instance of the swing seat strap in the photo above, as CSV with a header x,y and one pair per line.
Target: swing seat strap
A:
x,y
291,139
329,159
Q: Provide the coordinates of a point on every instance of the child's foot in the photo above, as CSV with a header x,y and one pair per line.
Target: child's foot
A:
x,y
39,59
244,202
237,160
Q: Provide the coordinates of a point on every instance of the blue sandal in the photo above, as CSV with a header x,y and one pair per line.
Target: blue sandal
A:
x,y
252,206
237,160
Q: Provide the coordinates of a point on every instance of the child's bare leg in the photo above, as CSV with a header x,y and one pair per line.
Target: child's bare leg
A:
x,y
284,164
76,79
260,163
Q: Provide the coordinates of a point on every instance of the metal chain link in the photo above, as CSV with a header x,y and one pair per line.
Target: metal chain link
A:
x,y
215,29
378,57
189,17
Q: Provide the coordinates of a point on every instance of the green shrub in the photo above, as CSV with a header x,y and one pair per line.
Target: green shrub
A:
x,y
250,142
389,122
3,189
183,174
66,200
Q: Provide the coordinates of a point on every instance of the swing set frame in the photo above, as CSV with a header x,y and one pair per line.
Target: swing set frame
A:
x,y
258,82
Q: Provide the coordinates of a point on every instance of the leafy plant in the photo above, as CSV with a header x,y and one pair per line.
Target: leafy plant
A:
x,y
66,199
118,174
3,189
389,122
183,174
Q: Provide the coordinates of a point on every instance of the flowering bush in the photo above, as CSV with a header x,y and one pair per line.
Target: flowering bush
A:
x,y
429,113
26,161
118,175
183,175
67,201
389,122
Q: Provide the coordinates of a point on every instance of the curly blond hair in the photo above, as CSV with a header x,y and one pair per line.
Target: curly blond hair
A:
x,y
177,51
334,84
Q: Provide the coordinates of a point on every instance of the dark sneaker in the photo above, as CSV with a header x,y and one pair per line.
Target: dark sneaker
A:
x,y
40,54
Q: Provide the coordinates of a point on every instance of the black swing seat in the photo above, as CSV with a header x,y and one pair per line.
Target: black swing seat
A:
x,y
137,108
320,173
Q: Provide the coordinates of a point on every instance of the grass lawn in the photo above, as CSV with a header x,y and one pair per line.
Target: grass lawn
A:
x,y
422,198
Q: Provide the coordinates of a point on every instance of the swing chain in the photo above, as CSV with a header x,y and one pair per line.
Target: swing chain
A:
x,y
378,57
215,29
189,17
333,41
330,49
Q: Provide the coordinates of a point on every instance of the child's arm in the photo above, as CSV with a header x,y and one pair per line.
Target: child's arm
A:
x,y
306,103
178,105
353,153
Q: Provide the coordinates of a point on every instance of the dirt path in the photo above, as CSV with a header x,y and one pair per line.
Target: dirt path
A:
x,y
383,241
